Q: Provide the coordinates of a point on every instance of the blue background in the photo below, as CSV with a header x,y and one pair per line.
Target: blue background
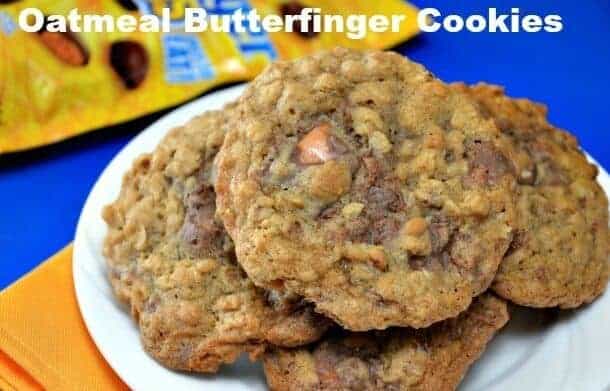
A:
x,y
42,191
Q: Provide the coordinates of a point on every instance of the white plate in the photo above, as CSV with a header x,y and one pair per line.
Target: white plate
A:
x,y
532,352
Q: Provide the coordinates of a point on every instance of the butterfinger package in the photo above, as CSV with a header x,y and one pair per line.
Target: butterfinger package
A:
x,y
54,85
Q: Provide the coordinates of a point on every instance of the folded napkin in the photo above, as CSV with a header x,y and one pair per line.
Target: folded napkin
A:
x,y
44,343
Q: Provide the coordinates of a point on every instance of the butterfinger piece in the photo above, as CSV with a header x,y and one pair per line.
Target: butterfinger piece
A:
x,y
315,147
436,358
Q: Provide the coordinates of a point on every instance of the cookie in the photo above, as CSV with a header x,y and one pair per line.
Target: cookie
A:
x,y
435,358
363,184
171,261
560,253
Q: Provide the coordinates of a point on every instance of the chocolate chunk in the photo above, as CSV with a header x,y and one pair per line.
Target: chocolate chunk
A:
x,y
487,164
385,198
348,362
381,194
130,61
201,232
440,233
383,229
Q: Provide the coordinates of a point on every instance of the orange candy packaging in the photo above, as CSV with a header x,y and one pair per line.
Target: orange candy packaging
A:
x,y
56,85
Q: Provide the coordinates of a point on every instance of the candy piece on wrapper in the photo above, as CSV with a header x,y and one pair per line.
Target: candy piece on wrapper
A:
x,y
130,61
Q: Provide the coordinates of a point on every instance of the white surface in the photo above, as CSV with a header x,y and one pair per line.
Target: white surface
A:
x,y
569,353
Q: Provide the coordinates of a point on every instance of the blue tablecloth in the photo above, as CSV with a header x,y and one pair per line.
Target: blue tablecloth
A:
x,y
42,191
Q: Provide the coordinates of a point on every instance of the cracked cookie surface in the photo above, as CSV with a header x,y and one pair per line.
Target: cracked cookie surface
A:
x,y
363,184
435,358
560,253
172,263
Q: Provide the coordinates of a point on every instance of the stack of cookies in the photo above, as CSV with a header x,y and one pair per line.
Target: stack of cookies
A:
x,y
355,223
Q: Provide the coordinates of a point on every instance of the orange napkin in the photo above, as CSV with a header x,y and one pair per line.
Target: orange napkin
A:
x,y
44,343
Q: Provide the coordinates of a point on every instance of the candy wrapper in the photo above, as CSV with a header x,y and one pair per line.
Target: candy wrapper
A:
x,y
57,85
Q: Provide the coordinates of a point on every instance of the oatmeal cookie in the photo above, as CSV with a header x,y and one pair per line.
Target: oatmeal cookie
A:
x,y
171,261
559,256
435,358
363,184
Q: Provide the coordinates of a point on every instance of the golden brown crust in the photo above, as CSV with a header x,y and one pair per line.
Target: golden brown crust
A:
x,y
362,183
560,254
171,261
433,359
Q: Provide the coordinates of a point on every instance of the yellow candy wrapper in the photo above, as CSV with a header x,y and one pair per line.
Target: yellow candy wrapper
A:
x,y
54,85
